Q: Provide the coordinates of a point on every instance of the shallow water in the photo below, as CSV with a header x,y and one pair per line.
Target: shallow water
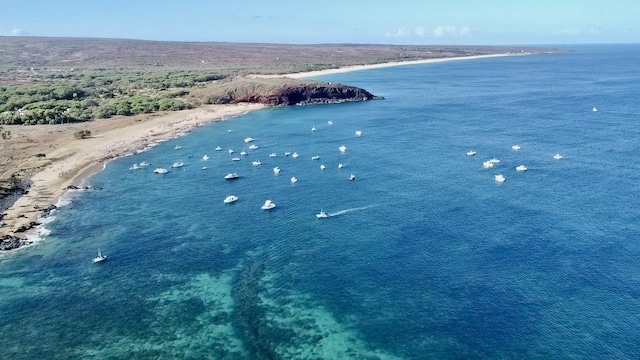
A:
x,y
424,255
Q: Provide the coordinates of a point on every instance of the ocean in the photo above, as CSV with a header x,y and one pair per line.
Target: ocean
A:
x,y
423,256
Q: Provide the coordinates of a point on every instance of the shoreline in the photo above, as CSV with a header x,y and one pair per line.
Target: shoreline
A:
x,y
74,161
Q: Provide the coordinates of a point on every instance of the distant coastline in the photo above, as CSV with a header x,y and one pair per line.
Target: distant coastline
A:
x,y
81,158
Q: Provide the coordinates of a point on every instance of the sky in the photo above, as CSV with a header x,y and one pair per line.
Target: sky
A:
x,y
426,22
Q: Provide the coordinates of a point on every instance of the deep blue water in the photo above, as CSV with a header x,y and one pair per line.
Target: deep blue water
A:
x,y
425,256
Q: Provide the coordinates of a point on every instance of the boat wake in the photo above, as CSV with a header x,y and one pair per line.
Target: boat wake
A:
x,y
346,211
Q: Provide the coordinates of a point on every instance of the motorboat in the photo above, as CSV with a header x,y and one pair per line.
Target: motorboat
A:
x,y
295,155
471,153
313,128
253,146
204,168
495,160
244,153
342,148
330,122
322,167
231,176
286,153
487,164
315,157
230,151
516,147
268,205
273,155
521,168
229,199
99,258
358,132
235,159
144,164
248,139
594,109
177,164
178,147
218,148
134,167
500,178
160,171
557,156
276,170
322,215
256,163
340,166
205,157
294,179
352,177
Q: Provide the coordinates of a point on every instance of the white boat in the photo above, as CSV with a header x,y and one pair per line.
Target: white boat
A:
x,y
229,199
342,148
500,178
494,160
243,153
352,177
295,155
218,148
521,168
313,128
276,170
594,109
144,164
99,258
204,168
557,156
160,171
253,146
286,153
294,179
471,153
248,139
231,176
315,157
230,151
340,166
273,155
177,164
358,132
268,205
235,159
322,215
256,163
487,164
205,157
516,147
330,122
322,167
178,147
134,167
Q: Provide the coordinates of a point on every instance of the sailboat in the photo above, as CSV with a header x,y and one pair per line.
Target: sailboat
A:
x,y
99,258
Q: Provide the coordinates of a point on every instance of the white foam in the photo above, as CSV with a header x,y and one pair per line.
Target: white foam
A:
x,y
341,212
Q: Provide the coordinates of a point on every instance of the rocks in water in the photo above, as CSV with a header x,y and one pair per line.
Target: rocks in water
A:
x,y
28,227
11,242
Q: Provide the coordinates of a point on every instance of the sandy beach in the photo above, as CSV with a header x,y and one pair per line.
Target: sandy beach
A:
x,y
71,161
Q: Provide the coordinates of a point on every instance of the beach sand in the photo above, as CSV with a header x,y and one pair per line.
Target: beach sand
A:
x,y
71,161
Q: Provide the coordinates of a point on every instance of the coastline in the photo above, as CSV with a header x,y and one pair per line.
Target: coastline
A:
x,y
73,161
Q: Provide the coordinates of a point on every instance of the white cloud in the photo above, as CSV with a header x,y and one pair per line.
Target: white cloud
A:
x,y
420,31
13,32
401,32
451,31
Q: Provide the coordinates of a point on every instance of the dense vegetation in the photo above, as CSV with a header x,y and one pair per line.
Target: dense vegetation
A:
x,y
72,95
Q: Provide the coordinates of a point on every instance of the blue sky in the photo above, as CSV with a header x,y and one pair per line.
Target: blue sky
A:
x,y
426,22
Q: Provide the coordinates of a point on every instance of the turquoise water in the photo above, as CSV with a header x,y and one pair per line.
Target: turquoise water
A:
x,y
424,254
